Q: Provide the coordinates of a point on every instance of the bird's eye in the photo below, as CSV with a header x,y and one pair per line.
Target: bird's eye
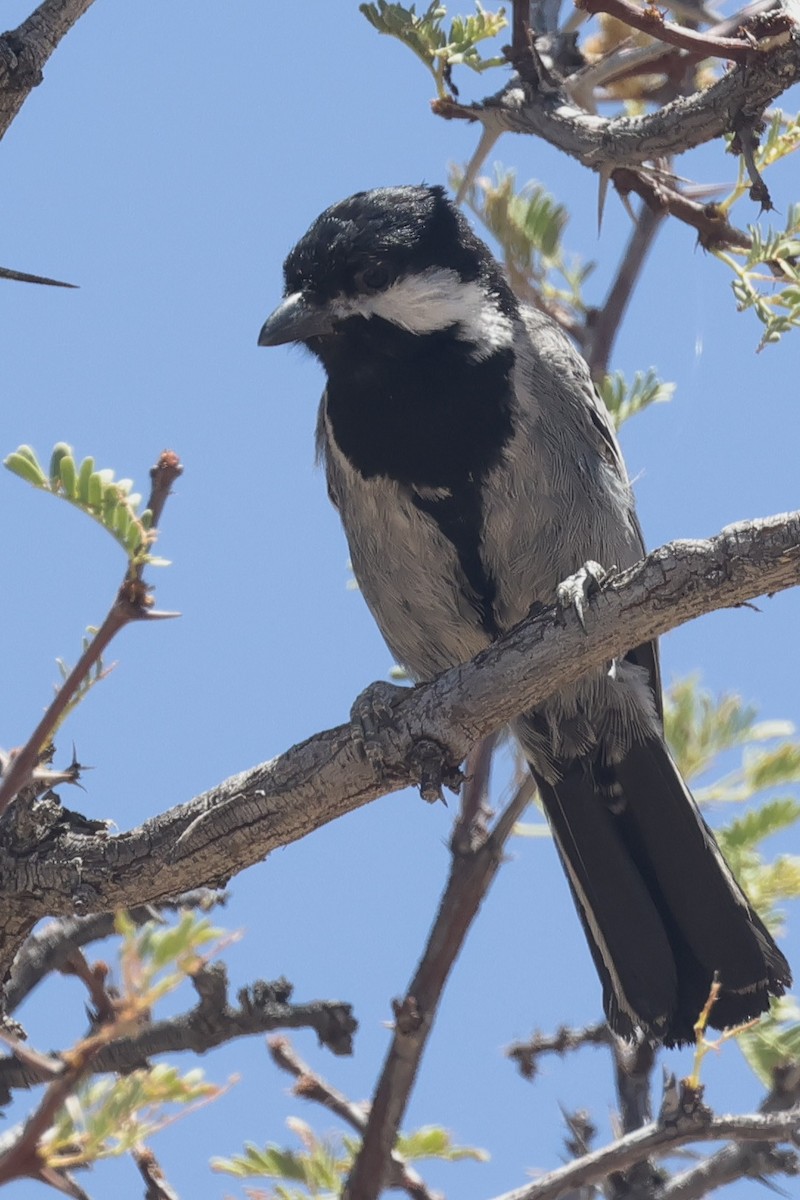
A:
x,y
374,277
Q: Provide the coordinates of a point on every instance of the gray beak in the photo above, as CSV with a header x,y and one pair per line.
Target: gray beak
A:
x,y
295,319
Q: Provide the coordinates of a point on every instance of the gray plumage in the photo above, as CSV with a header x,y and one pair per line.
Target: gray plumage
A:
x,y
475,468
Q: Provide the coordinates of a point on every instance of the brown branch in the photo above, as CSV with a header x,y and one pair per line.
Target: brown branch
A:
x,y
263,1008
471,826
471,875
649,20
604,323
636,1147
714,231
132,603
236,824
605,144
563,1041
163,475
311,1086
735,1162
21,1159
156,1186
25,50
50,948
633,1065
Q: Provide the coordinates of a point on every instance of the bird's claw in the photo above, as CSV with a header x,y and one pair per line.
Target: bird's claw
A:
x,y
432,767
370,721
371,730
576,589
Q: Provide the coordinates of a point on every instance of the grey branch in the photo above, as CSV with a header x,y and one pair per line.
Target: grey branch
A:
x,y
744,1160
607,143
527,1054
636,1147
25,50
204,842
262,1008
50,948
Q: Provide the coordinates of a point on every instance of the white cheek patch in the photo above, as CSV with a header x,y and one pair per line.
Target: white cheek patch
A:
x,y
434,300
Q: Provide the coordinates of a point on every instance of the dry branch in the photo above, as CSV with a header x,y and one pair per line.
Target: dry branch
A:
x,y
607,143
234,825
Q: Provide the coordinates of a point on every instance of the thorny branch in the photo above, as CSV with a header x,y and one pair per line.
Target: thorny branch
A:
x,y
607,143
262,1008
132,603
649,20
49,948
216,835
657,1138
527,1054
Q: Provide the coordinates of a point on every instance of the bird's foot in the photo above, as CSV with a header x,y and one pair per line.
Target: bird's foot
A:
x,y
578,588
371,722
371,727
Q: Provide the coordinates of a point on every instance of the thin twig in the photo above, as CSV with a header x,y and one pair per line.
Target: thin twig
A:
x,y
49,948
604,325
311,1086
132,603
563,1041
714,231
151,1172
649,20
471,875
470,828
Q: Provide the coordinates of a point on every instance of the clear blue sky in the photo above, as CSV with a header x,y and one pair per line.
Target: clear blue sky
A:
x,y
171,158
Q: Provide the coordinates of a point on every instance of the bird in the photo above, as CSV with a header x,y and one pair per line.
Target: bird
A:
x,y
475,470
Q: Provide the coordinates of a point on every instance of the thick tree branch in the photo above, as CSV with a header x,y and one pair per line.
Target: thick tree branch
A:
x,y
656,1138
607,143
25,50
234,825
745,1159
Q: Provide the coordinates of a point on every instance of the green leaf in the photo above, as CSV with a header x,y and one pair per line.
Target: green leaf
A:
x,y
431,1141
624,400
69,477
528,223
60,450
114,505
774,1042
426,37
84,481
24,463
774,816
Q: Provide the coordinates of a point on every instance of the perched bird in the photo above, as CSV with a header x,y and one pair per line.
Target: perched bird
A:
x,y
475,469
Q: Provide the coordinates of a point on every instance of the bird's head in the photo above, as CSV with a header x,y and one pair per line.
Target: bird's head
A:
x,y
401,255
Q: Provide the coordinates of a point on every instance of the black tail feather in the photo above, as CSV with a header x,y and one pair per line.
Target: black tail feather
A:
x,y
661,911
